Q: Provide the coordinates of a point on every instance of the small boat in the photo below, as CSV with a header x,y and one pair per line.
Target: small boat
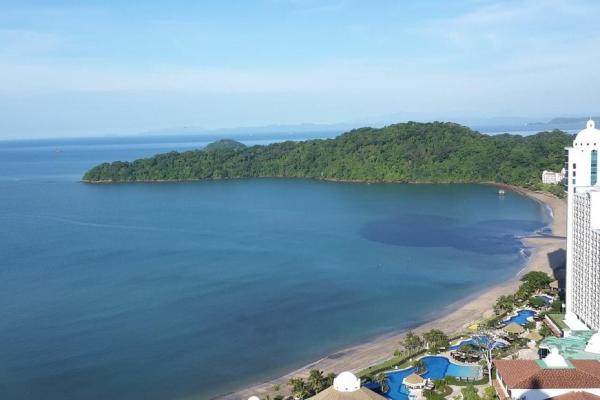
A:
x,y
501,192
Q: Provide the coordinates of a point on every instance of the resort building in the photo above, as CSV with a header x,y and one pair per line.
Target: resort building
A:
x,y
346,386
553,178
576,396
548,378
583,231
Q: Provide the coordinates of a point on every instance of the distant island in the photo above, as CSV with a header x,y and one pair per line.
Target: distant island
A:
x,y
437,152
225,144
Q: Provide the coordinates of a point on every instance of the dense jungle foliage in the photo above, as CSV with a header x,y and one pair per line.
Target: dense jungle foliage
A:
x,y
409,152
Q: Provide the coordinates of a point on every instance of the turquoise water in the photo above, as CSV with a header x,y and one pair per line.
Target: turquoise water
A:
x,y
482,340
437,368
548,300
520,318
169,290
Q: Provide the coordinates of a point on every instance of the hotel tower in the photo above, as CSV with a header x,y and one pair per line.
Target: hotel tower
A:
x,y
583,231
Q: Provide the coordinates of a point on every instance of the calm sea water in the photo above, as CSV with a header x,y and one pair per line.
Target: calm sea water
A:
x,y
166,291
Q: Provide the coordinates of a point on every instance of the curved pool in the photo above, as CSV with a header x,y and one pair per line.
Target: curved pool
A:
x,y
465,342
438,367
520,318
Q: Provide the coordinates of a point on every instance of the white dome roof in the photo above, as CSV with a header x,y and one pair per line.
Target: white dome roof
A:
x,y
593,345
346,382
253,398
590,136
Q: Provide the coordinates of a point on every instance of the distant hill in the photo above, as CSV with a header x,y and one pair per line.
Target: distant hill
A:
x,y
408,152
225,144
565,123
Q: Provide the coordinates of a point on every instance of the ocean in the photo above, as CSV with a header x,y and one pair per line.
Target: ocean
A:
x,y
191,290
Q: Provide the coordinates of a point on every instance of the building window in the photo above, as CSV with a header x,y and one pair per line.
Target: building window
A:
x,y
594,167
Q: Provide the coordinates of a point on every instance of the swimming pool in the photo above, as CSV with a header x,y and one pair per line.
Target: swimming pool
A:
x,y
520,318
437,368
465,342
548,300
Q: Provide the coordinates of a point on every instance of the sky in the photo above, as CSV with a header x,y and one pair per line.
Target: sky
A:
x,y
73,68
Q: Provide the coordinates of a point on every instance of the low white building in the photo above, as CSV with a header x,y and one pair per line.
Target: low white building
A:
x,y
548,378
552,178
346,386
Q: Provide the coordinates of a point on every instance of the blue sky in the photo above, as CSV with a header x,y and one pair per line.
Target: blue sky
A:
x,y
72,68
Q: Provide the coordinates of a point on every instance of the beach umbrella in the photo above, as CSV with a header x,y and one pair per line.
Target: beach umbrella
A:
x,y
513,328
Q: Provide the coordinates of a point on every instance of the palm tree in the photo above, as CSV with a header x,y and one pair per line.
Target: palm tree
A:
x,y
299,388
382,380
412,342
316,380
420,366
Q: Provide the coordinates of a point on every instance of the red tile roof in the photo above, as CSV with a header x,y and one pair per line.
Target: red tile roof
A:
x,y
527,374
575,396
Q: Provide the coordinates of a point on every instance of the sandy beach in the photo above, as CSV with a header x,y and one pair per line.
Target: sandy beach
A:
x,y
548,256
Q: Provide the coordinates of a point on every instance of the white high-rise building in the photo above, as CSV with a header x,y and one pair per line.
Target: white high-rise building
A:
x,y
583,231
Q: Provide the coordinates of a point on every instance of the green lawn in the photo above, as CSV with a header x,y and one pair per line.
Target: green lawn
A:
x,y
559,320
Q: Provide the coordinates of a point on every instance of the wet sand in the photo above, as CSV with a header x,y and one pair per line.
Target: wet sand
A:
x,y
548,256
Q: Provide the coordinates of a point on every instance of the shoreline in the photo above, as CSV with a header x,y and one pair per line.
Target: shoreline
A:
x,y
547,256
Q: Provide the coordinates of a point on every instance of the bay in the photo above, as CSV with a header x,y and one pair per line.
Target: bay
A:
x,y
172,290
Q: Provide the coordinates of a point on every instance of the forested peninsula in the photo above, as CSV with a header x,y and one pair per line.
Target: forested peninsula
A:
x,y
437,152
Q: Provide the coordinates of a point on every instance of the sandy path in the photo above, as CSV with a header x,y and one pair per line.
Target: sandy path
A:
x,y
548,256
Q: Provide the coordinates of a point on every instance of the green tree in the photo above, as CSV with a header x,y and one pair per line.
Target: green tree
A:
x,y
316,381
545,331
382,380
329,379
436,339
432,395
504,304
299,388
470,393
420,367
536,302
440,385
537,280
412,342
408,152
489,393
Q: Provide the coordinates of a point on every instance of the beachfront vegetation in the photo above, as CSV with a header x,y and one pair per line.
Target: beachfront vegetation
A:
x,y
412,342
537,280
504,304
556,190
409,152
436,340
316,382
533,282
